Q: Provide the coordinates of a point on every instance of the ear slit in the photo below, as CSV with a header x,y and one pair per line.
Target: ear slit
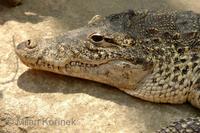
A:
x,y
109,40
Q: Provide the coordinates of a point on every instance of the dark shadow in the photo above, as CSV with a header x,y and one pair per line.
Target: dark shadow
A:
x,y
45,82
37,81
4,3
10,3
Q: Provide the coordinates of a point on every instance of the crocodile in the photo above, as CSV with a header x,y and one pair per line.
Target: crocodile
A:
x,y
151,55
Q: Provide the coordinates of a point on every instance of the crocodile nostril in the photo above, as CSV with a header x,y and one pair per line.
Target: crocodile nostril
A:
x,y
28,41
29,44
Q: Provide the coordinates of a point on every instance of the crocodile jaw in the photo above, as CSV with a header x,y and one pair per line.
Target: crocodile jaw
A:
x,y
118,73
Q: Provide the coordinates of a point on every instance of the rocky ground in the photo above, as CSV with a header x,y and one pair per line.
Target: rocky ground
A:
x,y
36,101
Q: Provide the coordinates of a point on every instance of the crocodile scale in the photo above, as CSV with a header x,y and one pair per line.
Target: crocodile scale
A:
x,y
152,55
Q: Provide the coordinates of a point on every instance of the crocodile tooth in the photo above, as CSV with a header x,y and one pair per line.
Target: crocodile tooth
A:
x,y
72,63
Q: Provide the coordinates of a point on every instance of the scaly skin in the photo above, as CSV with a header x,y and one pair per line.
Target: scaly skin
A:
x,y
154,56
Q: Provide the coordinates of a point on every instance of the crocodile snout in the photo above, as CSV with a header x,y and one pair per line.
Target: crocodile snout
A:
x,y
27,51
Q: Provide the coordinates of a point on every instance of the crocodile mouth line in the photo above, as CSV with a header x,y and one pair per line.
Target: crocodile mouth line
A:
x,y
81,64
39,64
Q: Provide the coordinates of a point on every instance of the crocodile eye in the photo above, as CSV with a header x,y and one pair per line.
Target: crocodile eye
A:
x,y
96,38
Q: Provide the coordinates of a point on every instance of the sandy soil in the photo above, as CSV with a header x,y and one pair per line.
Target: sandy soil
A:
x,y
36,101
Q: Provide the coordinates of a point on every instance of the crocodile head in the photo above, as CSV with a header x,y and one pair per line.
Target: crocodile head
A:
x,y
103,51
